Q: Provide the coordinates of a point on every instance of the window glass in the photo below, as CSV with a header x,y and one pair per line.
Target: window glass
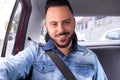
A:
x,y
43,33
13,30
93,28
6,7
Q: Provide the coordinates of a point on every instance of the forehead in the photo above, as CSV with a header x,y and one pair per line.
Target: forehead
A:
x,y
58,13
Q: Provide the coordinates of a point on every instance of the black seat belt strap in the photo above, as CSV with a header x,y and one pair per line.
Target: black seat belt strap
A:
x,y
61,65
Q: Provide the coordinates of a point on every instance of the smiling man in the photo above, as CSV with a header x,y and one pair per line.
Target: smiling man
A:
x,y
60,25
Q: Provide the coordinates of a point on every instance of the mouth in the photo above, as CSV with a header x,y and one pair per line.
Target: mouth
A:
x,y
63,36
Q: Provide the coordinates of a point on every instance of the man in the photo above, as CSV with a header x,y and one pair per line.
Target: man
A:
x,y
60,24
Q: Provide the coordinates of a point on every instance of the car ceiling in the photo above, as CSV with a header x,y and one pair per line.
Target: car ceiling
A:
x,y
90,7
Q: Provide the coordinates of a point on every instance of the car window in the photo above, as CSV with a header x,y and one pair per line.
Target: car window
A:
x,y
6,8
13,30
92,28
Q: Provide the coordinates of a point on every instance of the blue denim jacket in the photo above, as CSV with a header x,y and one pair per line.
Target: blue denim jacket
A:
x,y
83,63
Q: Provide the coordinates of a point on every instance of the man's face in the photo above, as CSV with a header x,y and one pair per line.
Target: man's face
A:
x,y
60,25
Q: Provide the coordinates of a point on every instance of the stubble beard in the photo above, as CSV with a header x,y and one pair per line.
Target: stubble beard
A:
x,y
60,45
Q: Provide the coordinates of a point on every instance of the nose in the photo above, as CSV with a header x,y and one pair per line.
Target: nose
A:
x,y
61,28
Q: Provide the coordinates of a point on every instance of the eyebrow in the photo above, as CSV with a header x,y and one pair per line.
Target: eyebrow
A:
x,y
62,21
53,21
67,19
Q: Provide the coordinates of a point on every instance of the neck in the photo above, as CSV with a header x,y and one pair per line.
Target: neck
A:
x,y
67,49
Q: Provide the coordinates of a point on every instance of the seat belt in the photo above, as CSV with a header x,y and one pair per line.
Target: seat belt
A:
x,y
61,65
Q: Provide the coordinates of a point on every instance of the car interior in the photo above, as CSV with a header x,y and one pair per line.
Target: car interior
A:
x,y
31,23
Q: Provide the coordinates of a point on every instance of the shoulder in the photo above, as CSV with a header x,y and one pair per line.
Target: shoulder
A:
x,y
85,50
34,45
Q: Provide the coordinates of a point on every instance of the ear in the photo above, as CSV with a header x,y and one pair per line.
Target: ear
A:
x,y
74,22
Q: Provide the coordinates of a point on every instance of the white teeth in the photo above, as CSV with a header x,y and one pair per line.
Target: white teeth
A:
x,y
62,36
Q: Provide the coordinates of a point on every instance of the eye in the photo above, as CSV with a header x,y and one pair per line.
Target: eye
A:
x,y
67,22
54,24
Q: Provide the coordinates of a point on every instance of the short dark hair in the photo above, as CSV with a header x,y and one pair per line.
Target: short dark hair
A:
x,y
52,3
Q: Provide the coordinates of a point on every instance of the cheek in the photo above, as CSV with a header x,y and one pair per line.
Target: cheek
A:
x,y
71,29
51,32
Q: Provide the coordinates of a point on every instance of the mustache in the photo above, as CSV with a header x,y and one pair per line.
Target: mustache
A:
x,y
63,33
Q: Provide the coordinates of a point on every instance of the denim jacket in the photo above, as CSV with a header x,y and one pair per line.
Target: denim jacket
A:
x,y
83,63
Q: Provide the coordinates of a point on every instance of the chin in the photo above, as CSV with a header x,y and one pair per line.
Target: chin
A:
x,y
62,45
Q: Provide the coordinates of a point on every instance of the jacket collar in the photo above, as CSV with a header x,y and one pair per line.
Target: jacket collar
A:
x,y
49,45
